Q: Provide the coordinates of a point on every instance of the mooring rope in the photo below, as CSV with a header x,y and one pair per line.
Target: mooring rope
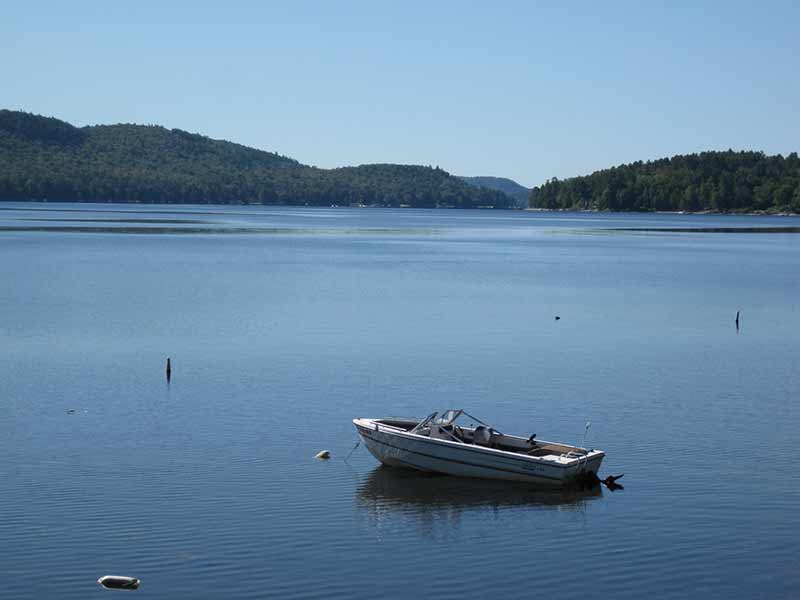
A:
x,y
358,443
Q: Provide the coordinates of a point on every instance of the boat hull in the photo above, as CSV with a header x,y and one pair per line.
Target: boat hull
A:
x,y
401,449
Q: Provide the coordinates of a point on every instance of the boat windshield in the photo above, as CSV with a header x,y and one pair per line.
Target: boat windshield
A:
x,y
448,417
424,422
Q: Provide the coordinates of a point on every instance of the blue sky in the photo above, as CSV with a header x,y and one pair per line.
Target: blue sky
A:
x,y
528,90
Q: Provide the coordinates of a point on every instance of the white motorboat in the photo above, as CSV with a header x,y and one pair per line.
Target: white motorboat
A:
x,y
439,444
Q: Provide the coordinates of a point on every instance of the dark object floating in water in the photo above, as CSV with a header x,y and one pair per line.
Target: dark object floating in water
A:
x,y
611,482
558,318
737,320
323,455
119,582
71,411
169,370
587,480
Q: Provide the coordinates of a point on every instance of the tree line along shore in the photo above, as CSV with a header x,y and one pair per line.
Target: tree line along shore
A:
x,y
706,182
43,158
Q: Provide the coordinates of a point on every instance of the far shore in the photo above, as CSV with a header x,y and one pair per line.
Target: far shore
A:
x,y
757,213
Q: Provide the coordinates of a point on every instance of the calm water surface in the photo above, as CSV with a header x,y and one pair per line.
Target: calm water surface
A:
x,y
285,323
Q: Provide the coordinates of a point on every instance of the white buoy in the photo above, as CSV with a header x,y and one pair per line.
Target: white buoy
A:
x,y
119,582
323,455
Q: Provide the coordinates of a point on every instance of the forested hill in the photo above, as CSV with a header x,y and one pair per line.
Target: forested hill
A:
x,y
713,181
507,186
45,158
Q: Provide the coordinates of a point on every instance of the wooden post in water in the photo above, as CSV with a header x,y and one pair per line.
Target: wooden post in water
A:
x,y
169,370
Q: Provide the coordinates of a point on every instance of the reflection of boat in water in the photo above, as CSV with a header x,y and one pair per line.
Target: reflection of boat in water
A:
x,y
390,489
440,445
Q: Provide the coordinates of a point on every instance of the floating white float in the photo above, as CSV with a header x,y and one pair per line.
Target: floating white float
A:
x,y
119,582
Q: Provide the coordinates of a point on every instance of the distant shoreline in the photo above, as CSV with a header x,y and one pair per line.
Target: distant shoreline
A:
x,y
759,213
443,208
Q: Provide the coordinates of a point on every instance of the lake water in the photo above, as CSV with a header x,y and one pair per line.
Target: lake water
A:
x,y
283,324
